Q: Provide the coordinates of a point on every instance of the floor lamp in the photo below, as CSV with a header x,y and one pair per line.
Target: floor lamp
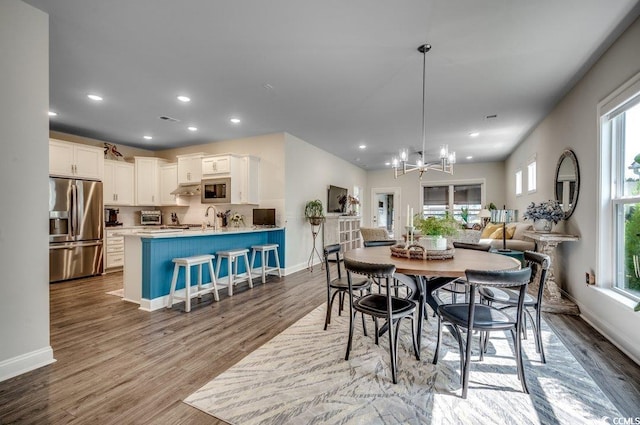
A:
x,y
504,217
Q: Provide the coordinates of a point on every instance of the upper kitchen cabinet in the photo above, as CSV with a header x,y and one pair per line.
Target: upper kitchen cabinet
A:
x,y
250,180
168,183
217,164
119,183
147,181
243,171
190,168
75,160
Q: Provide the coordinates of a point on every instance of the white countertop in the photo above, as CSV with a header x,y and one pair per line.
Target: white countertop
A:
x,y
179,233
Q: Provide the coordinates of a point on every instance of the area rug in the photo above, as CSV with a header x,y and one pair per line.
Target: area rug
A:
x,y
117,292
301,377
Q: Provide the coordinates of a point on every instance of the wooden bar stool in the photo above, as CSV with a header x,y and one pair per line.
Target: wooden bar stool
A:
x,y
187,263
233,256
264,255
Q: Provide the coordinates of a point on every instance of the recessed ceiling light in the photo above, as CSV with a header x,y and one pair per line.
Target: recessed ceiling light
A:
x,y
387,163
52,114
192,128
184,99
94,97
474,134
469,157
362,146
148,137
235,120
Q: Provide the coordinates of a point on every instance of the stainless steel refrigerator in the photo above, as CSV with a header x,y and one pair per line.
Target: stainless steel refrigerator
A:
x,y
75,228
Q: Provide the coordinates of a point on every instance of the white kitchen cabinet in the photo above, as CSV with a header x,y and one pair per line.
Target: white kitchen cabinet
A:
x,y
147,181
168,183
244,174
249,180
118,183
190,168
114,248
216,165
68,159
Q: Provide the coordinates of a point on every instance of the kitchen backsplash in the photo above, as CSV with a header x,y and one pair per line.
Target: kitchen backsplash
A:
x,y
195,212
191,214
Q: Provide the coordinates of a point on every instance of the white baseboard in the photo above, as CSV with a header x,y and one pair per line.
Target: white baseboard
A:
x,y
26,362
300,266
605,330
154,304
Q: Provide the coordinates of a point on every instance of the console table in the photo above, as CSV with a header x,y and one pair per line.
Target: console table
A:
x,y
546,243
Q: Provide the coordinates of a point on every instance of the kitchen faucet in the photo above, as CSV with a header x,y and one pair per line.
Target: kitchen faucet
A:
x,y
215,215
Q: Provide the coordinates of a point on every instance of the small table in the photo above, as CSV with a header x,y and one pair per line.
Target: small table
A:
x,y
546,243
518,255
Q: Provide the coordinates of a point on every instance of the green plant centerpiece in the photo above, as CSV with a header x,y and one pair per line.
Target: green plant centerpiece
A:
x,y
434,231
314,212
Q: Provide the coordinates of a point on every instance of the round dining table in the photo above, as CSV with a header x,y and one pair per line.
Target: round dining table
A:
x,y
434,274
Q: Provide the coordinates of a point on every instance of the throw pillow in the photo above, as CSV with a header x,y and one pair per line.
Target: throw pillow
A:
x,y
489,229
498,233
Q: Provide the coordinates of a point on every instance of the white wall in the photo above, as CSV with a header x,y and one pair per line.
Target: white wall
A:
x,y
309,171
491,172
24,285
573,124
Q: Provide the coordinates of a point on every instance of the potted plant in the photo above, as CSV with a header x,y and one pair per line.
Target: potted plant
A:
x,y
464,215
544,214
314,212
434,231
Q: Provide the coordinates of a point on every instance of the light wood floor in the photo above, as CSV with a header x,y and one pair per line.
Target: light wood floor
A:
x,y
119,365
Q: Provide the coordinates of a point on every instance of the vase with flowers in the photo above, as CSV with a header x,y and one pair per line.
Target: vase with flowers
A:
x,y
237,219
544,215
354,204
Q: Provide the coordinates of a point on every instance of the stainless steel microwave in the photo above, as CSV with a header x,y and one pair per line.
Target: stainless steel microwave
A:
x,y
216,191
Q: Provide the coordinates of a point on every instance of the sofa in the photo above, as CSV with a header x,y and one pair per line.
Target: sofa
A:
x,y
374,234
492,235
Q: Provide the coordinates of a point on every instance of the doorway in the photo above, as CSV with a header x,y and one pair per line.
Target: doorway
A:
x,y
384,208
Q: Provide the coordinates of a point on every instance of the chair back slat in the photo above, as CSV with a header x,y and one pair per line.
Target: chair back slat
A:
x,y
540,264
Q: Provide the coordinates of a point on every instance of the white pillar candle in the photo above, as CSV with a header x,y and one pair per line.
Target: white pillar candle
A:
x,y
411,218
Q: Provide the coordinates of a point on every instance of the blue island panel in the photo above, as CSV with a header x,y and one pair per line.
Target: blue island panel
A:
x,y
158,253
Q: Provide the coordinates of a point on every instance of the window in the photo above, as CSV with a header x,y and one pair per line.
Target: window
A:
x,y
464,199
518,182
531,175
619,216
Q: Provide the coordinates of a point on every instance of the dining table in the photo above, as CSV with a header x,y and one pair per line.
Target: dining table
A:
x,y
431,275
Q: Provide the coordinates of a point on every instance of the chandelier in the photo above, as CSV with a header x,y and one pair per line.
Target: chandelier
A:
x,y
401,164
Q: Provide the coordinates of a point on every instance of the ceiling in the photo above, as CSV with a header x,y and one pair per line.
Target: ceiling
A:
x,y
335,73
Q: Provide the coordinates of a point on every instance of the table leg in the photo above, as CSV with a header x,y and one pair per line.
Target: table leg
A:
x,y
552,299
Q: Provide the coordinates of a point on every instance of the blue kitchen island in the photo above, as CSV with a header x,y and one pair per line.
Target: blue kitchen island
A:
x,y
148,265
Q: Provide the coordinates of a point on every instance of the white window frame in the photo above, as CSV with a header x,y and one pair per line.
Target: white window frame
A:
x,y
518,182
451,184
532,175
611,185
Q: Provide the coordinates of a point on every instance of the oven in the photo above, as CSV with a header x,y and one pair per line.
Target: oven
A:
x,y
152,217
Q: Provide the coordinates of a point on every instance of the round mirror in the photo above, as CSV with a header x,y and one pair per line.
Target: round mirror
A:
x,y
567,182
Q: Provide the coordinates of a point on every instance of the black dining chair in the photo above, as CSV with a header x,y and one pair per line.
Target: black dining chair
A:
x,y
385,306
338,286
507,298
458,286
386,242
473,316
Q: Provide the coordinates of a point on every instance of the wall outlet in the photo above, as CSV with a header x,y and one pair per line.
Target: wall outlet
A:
x,y
589,278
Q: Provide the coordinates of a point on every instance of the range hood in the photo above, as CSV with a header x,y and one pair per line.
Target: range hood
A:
x,y
187,190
